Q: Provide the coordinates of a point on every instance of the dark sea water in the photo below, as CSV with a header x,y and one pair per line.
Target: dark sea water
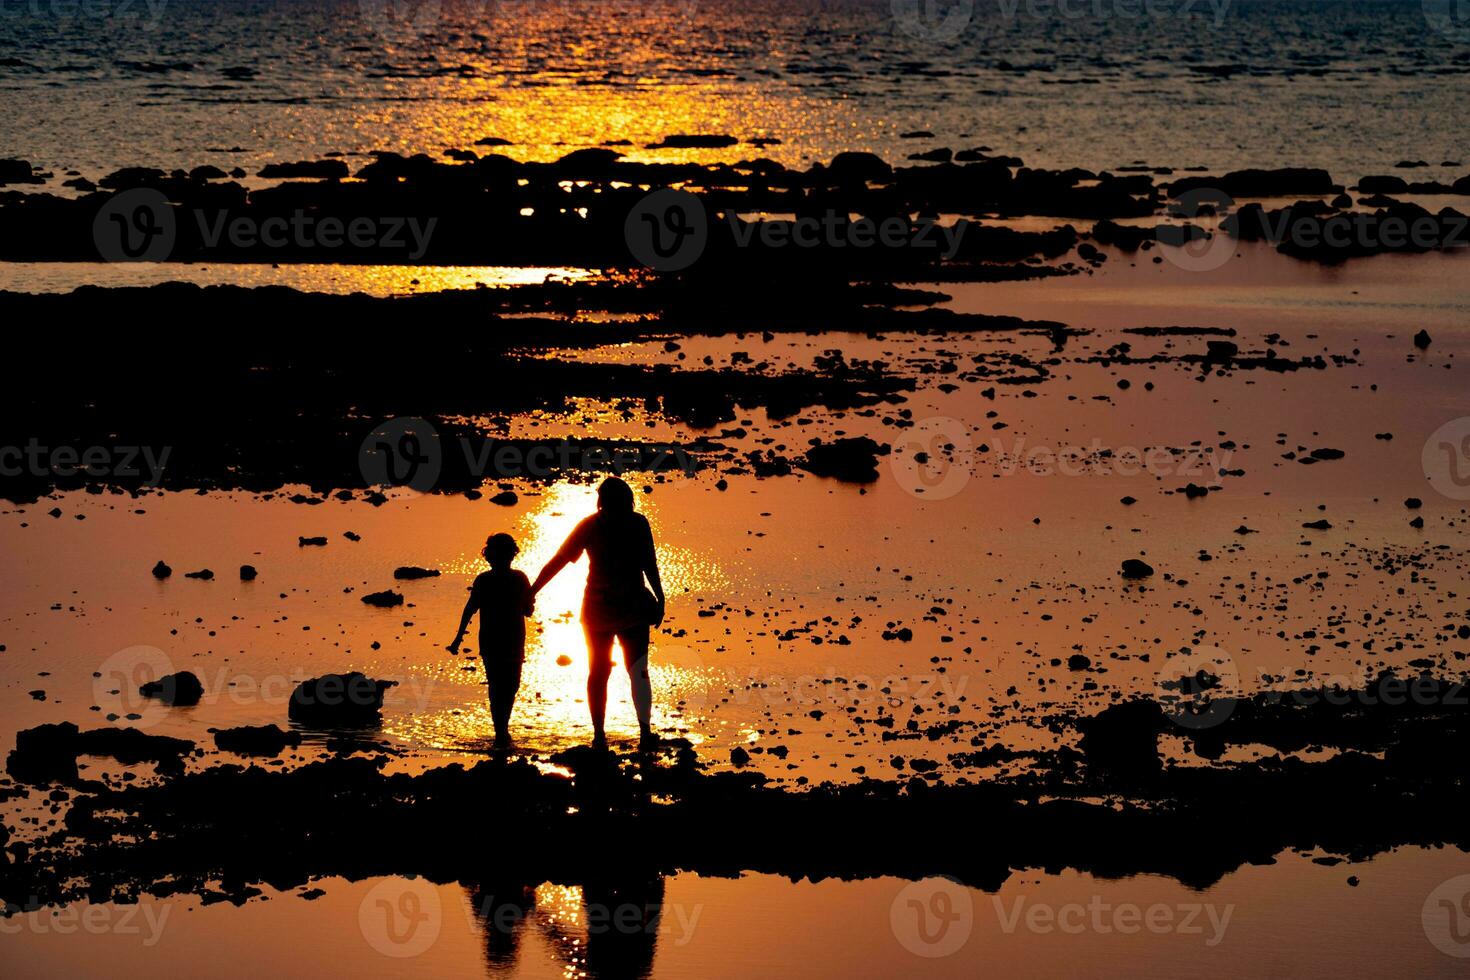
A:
x,y
1353,86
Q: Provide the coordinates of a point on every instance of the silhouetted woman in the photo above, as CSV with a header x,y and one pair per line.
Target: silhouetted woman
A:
x,y
619,548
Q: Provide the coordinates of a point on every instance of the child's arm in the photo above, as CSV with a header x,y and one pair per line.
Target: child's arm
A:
x,y
471,606
528,598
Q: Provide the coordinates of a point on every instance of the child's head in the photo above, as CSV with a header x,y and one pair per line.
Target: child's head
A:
x,y
614,495
500,549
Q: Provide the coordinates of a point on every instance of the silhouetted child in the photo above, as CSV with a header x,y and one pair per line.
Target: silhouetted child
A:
x,y
502,597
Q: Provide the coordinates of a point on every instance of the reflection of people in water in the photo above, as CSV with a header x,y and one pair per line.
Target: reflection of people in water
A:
x,y
502,596
619,547
500,906
619,920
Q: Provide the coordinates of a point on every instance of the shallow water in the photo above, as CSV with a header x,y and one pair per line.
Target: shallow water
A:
x,y
1352,86
1000,557
1034,925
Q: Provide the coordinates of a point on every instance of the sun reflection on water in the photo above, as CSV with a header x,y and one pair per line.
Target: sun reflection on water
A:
x,y
551,711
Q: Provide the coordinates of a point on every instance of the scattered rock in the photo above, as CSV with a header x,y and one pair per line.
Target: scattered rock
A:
x,y
1136,568
349,700
182,690
162,571
262,740
386,599
411,572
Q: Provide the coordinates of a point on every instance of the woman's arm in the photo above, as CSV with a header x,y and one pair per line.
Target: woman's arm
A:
x,y
569,552
471,606
650,569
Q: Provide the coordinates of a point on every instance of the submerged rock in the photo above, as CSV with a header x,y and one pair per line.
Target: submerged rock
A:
x,y
161,570
411,572
386,599
263,740
181,690
851,460
350,700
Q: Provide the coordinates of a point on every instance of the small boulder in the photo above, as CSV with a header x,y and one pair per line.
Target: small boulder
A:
x,y
181,690
386,599
248,573
411,572
262,740
1135,568
339,700
161,570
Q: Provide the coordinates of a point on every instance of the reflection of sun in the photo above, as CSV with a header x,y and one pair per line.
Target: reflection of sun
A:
x,y
551,710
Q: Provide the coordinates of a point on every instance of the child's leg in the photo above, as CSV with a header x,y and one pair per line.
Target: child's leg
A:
x,y
504,686
599,655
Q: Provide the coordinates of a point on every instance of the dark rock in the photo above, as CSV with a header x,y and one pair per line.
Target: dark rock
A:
x,y
411,572
348,700
248,573
1383,185
1413,503
386,599
1421,339
317,542
1123,738
1136,568
853,460
1220,351
739,757
505,498
856,167
181,690
48,753
1328,454
1321,525
318,169
263,740
1078,661
1283,182
694,141
203,573
161,571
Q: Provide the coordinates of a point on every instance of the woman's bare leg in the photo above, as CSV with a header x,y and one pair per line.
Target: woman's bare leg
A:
x,y
599,656
635,658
